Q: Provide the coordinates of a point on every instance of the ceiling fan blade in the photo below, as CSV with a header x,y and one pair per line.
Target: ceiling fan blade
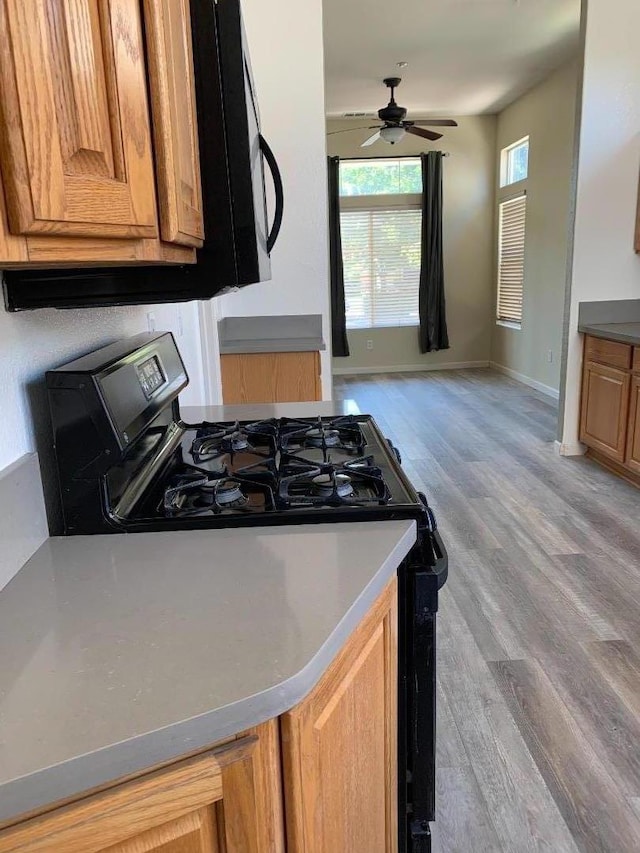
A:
x,y
426,134
438,122
371,140
348,130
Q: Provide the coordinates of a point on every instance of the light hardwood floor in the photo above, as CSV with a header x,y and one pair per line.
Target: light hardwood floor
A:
x,y
539,624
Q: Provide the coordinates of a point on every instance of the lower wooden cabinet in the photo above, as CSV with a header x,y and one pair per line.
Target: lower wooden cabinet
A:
x,y
339,747
225,801
605,407
633,433
271,377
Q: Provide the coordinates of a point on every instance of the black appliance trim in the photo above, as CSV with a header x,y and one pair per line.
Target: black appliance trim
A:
x,y
278,189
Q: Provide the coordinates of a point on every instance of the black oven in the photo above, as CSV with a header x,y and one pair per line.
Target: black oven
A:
x,y
127,462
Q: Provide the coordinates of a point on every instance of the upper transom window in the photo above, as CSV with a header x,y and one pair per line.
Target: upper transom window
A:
x,y
514,165
384,176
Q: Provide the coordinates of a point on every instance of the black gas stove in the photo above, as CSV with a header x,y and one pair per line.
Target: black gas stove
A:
x,y
127,462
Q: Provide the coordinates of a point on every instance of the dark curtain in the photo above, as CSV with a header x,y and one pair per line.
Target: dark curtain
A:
x,y
433,320
339,342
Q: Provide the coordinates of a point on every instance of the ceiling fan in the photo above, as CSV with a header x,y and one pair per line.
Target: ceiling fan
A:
x,y
395,126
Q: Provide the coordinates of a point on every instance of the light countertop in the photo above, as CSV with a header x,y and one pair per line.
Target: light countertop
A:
x,y
120,652
625,333
280,333
264,411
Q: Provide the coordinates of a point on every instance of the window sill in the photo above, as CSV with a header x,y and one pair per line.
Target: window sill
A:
x,y
389,326
509,324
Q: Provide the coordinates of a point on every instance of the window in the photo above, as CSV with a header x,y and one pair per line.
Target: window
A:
x,y
381,221
385,176
511,242
514,165
381,258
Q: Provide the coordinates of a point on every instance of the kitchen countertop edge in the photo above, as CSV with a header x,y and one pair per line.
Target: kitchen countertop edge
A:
x,y
624,333
81,774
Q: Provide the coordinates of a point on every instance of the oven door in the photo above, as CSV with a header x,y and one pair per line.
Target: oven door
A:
x,y
418,604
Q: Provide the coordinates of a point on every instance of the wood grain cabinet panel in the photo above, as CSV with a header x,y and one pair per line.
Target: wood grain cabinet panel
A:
x,y
339,747
75,148
604,409
273,377
173,110
613,353
220,802
633,436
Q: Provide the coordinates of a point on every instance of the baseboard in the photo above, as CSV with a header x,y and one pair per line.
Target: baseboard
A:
x,y
571,448
407,368
526,380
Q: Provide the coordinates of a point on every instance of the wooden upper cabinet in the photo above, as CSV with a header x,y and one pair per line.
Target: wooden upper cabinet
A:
x,y
175,128
339,747
75,149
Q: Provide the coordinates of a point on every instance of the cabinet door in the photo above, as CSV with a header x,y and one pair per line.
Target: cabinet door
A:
x,y
75,148
339,747
210,804
605,407
175,128
633,437
270,377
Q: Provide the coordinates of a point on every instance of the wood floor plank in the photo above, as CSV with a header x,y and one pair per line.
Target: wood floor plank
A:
x,y
464,825
619,665
543,594
591,803
609,724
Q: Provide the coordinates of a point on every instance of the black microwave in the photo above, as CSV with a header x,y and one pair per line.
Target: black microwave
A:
x,y
238,238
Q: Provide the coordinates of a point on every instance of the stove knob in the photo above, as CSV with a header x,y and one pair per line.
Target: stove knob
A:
x,y
395,451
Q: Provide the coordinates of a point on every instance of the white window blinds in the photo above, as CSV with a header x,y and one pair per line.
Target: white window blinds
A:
x,y
381,259
513,215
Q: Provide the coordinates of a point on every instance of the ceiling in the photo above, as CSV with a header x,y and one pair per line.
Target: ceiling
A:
x,y
465,57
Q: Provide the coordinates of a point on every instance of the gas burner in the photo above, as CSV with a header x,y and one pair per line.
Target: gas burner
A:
x,y
238,440
342,434
228,493
326,484
303,483
192,495
322,437
215,440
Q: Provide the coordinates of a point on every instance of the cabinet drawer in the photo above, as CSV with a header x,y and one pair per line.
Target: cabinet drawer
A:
x,y
608,352
636,359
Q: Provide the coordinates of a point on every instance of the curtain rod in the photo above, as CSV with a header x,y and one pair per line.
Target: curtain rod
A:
x,y
400,157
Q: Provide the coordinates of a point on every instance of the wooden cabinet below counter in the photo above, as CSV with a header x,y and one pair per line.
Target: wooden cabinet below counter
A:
x,y
271,377
228,799
610,406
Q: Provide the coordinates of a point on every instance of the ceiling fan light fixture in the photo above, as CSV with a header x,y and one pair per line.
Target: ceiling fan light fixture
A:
x,y
392,134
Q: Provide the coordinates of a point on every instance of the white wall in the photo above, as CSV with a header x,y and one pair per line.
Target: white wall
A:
x,y
468,204
546,115
604,263
34,341
285,42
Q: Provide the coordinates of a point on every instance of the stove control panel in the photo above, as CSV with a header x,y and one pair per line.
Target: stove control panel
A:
x,y
151,376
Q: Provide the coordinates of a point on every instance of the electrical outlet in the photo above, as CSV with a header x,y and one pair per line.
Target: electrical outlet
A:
x,y
151,321
550,356
369,344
